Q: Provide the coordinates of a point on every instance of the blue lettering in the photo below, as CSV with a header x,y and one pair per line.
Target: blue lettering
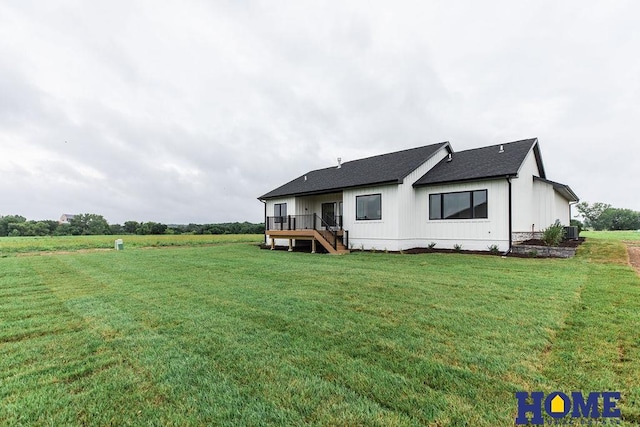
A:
x,y
535,408
585,409
609,409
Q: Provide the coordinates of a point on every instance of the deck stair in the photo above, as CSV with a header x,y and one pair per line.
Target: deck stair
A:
x,y
333,238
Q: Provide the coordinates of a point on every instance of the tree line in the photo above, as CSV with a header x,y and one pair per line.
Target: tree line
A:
x,y
94,224
601,216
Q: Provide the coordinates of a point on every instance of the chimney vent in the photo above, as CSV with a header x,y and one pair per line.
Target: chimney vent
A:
x,y
339,162
501,149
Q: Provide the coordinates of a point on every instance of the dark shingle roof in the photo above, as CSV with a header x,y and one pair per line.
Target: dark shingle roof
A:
x,y
483,163
382,169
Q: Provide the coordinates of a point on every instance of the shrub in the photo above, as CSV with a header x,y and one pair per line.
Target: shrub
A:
x,y
552,235
494,249
457,247
431,245
576,223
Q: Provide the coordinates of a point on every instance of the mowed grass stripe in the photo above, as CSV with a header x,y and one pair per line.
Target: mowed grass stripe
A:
x,y
262,321
118,332
600,342
234,335
184,292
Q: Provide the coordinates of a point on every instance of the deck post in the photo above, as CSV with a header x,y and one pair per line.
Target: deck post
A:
x,y
313,246
290,245
273,243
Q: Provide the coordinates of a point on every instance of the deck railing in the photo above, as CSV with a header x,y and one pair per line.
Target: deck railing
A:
x,y
328,227
303,222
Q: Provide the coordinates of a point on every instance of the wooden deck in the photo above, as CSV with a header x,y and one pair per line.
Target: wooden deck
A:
x,y
313,235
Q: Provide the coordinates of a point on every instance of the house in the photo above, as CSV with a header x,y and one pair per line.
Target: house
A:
x,y
476,198
65,218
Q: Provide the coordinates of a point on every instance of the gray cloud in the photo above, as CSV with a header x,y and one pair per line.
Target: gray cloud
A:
x,y
187,111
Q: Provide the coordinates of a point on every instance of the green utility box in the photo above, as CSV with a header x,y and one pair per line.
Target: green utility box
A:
x,y
119,245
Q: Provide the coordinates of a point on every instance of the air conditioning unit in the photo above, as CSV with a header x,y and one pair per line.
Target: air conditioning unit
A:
x,y
571,233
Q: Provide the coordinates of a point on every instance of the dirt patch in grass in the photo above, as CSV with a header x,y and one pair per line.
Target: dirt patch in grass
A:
x,y
64,252
634,256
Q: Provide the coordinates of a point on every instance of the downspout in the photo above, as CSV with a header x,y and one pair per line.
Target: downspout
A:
x,y
570,205
266,224
510,218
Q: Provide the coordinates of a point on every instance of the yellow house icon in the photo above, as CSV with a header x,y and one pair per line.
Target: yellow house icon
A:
x,y
557,404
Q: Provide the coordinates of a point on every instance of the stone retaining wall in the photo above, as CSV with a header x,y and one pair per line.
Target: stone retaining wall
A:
x,y
521,236
544,251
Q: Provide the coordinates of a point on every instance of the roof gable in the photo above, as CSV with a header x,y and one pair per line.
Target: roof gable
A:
x,y
495,161
389,168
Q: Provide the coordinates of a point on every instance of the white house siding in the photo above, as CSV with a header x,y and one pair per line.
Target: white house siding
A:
x,y
525,211
562,209
549,205
410,201
372,234
472,234
291,210
306,205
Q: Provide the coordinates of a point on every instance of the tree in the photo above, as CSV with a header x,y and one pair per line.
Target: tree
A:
x,y
115,228
9,219
89,224
619,219
63,230
592,213
151,228
52,225
131,227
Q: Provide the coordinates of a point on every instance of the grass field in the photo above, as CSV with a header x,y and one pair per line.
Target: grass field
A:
x,y
227,334
12,245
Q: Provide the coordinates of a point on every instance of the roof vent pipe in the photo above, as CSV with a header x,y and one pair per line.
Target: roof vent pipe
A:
x,y
449,158
339,162
501,149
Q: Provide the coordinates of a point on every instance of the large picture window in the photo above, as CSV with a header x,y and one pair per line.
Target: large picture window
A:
x,y
459,205
369,207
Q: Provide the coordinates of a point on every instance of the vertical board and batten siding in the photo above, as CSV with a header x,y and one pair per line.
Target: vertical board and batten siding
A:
x,y
399,218
369,234
472,234
291,209
562,209
306,205
549,205
525,213
411,199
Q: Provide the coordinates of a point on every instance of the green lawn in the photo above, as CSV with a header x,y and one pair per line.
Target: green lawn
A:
x,y
228,334
12,245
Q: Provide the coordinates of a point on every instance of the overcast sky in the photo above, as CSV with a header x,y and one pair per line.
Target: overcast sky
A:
x,y
187,111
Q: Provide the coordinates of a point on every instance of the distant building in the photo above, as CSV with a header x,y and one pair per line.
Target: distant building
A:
x,y
65,218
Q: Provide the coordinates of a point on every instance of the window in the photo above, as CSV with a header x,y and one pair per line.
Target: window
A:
x,y
279,212
369,207
460,205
